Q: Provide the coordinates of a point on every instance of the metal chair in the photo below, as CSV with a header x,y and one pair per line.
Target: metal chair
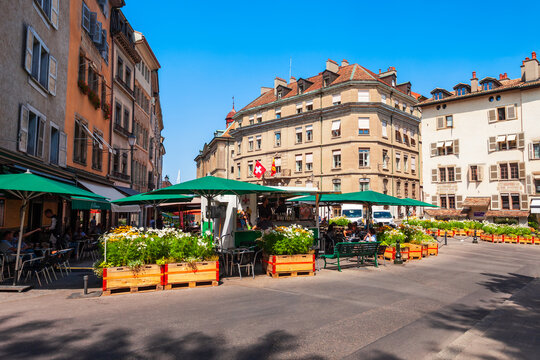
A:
x,y
243,258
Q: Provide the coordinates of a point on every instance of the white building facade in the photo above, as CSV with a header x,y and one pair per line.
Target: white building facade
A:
x,y
481,146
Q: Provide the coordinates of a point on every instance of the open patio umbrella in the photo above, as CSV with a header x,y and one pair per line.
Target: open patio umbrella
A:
x,y
151,198
413,202
210,186
27,186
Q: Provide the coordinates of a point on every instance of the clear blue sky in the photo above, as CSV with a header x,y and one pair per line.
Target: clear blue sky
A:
x,y
212,50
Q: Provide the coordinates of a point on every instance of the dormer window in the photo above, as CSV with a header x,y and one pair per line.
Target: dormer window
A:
x,y
279,95
300,89
488,85
393,83
461,91
438,95
326,81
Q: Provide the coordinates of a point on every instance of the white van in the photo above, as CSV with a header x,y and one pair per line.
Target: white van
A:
x,y
383,217
353,212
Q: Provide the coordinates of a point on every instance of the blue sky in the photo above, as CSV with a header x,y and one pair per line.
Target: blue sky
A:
x,y
212,50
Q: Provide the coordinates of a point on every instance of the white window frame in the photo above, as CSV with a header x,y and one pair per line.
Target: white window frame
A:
x,y
336,128
336,159
384,129
309,133
363,125
309,162
363,157
336,99
363,95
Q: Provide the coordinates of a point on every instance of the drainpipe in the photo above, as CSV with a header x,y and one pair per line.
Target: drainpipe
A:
x,y
321,136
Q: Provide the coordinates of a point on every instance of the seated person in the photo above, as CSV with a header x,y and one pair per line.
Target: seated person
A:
x,y
352,230
370,236
9,243
79,234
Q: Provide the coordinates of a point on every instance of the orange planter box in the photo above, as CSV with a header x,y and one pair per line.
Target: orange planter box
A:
x,y
191,274
289,265
433,249
147,277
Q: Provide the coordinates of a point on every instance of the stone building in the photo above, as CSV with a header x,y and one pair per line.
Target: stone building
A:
x,y
34,68
482,147
345,129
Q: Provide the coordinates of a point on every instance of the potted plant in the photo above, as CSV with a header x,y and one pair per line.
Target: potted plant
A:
x,y
287,251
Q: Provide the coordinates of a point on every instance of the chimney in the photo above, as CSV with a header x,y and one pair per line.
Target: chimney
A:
x,y
332,66
501,76
265,89
292,80
279,81
474,82
505,75
529,69
344,63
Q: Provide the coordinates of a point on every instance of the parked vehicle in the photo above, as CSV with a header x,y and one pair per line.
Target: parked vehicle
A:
x,y
353,212
383,217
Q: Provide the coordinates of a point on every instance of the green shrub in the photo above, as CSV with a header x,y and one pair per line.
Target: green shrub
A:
x,y
291,240
339,221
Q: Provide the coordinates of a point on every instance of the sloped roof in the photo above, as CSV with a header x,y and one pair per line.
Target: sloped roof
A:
x,y
477,201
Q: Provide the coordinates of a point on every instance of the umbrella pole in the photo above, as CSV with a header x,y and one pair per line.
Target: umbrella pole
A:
x,y
19,241
155,216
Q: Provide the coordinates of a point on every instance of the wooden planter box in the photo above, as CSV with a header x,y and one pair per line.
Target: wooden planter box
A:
x,y
497,238
415,251
289,265
535,240
405,254
487,237
390,253
424,250
433,249
123,279
524,240
189,275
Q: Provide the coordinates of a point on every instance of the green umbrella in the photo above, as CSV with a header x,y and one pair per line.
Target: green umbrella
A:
x,y
367,197
27,186
151,198
413,202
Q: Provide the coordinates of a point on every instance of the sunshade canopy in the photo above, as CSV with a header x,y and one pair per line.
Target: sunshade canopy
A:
x,y
368,197
87,203
210,186
28,182
413,202
151,198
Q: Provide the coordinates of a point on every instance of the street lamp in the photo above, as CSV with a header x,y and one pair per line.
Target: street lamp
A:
x,y
132,140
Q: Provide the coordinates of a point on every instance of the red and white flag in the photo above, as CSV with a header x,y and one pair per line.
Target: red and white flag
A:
x,y
259,170
273,169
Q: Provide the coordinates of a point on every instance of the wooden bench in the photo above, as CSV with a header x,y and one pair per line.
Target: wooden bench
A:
x,y
349,249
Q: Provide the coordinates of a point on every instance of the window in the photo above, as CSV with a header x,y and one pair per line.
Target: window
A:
x,y
413,191
398,188
258,140
50,9
298,163
447,147
451,201
128,77
238,171
385,186
309,162
336,99
444,122
514,171
451,174
537,186
38,63
406,189
120,68
405,162
384,129
79,146
126,119
279,95
326,81
251,120
438,95
239,147
363,158
474,173
278,113
502,113
510,201
278,165
405,137
398,135
383,98
337,184
385,159
299,107
462,91
413,164
449,121
31,131
535,151
336,128
442,174
259,118
277,138
97,153
364,184
448,201
250,169
250,143
298,137
443,202
488,85
54,145
93,80
363,126
309,133
336,159
503,171
300,88
398,161
363,95
309,105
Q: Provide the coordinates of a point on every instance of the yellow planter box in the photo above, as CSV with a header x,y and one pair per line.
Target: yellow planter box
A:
x,y
203,273
289,265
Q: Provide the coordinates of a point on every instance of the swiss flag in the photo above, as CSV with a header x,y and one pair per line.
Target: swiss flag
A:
x,y
259,170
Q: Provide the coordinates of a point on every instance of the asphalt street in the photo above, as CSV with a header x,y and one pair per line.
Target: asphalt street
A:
x,y
472,301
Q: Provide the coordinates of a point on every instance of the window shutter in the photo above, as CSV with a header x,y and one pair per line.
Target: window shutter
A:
x,y
41,137
93,24
53,69
29,50
456,147
492,115
54,12
96,36
458,173
434,200
511,112
62,149
469,173
524,202
531,155
434,150
521,167
459,201
492,144
440,122
480,171
23,129
434,173
494,202
529,185
85,17
493,173
520,141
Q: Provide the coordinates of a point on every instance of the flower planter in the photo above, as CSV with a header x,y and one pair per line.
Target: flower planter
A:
x,y
123,279
449,233
415,251
390,253
424,250
189,275
461,232
405,252
509,239
497,238
433,249
289,265
525,240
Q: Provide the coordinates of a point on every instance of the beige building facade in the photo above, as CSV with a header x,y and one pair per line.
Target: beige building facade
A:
x,y
346,129
482,147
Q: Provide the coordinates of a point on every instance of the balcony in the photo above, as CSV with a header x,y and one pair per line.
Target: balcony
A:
x,y
285,173
120,176
121,130
125,86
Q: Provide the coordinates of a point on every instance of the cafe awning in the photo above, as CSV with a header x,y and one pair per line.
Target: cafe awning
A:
x,y
535,206
110,193
86,203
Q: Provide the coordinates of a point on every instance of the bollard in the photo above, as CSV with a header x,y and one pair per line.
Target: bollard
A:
x,y
398,259
474,239
445,238
85,279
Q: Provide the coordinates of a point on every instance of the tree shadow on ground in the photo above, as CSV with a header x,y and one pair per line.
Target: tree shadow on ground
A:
x,y
526,313
44,339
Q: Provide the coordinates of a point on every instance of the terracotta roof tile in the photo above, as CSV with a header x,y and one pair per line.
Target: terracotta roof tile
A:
x,y
507,213
477,201
346,73
445,212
